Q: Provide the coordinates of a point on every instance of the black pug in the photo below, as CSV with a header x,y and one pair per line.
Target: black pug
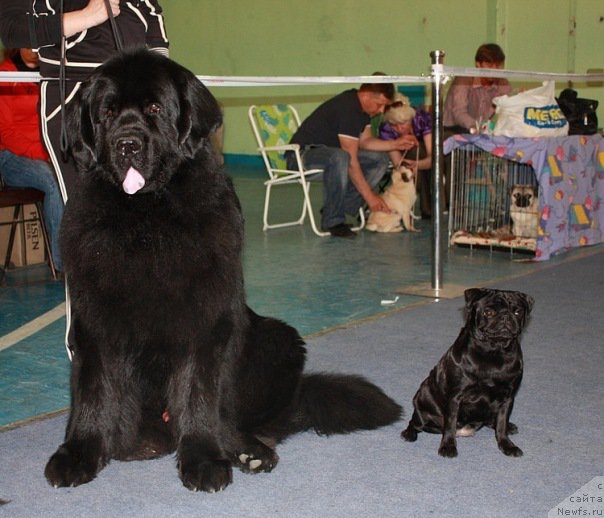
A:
x,y
167,355
475,382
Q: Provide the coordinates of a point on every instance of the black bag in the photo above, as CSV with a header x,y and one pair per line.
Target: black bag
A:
x,y
580,113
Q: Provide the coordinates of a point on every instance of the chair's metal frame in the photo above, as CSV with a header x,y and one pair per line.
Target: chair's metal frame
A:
x,y
288,176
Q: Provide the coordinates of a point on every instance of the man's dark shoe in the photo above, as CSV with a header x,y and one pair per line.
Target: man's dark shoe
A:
x,y
342,230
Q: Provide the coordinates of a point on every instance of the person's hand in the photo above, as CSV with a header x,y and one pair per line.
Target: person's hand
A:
x,y
405,142
96,11
92,15
377,204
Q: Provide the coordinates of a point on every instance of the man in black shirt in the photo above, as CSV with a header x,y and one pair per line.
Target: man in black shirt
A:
x,y
337,137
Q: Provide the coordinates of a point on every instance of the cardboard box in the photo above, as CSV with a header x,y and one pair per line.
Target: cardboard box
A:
x,y
28,247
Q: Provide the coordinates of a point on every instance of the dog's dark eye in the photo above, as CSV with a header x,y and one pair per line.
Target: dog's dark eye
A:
x,y
108,113
153,108
489,313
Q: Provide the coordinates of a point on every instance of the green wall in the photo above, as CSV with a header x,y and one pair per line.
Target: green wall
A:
x,y
335,37
353,37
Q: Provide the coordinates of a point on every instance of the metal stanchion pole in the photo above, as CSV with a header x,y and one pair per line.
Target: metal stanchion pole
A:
x,y
437,169
436,289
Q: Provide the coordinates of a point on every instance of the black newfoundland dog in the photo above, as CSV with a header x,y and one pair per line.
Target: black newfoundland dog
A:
x,y
167,355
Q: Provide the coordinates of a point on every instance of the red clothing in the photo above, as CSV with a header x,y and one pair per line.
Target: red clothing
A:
x,y
19,119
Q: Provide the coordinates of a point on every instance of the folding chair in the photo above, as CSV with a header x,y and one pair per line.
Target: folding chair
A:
x,y
273,126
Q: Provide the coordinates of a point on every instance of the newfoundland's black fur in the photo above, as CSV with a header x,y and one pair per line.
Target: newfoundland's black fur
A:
x,y
167,355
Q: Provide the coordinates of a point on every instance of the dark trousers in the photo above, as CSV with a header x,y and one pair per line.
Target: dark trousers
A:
x,y
50,123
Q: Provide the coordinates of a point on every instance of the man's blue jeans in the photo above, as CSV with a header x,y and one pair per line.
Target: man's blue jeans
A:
x,y
18,171
340,196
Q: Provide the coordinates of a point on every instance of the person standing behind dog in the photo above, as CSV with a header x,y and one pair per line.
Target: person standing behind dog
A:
x,y
400,118
469,101
23,158
337,138
89,42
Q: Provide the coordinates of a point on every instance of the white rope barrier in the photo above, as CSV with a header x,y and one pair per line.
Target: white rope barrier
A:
x,y
304,80
520,74
34,77
19,77
234,81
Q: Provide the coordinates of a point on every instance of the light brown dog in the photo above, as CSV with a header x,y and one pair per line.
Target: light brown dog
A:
x,y
400,197
524,210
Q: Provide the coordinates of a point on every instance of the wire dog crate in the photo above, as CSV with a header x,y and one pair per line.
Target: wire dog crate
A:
x,y
493,201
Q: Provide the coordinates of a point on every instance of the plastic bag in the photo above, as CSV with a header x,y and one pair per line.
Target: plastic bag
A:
x,y
580,113
534,113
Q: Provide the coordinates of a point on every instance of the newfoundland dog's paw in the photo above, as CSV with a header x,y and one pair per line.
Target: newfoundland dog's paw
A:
x,y
72,467
208,475
258,458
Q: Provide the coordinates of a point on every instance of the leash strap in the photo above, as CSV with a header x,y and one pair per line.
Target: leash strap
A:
x,y
116,32
62,74
404,154
62,80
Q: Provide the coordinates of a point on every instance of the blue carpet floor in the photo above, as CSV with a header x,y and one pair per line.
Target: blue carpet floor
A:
x,y
558,410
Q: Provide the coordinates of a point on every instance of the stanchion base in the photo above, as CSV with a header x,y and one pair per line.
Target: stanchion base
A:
x,y
450,291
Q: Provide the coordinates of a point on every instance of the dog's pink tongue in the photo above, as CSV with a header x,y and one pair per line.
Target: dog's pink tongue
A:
x,y
133,182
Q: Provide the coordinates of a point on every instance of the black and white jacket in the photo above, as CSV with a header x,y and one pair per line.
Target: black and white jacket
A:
x,y
36,24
